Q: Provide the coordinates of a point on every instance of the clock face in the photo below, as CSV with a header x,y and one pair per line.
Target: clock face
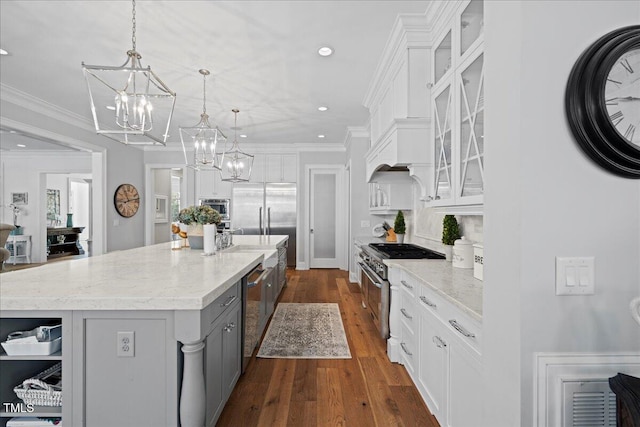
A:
x,y
602,101
622,96
126,200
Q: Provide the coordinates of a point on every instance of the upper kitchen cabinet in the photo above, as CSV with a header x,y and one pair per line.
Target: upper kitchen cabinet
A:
x,y
281,168
457,99
209,185
398,101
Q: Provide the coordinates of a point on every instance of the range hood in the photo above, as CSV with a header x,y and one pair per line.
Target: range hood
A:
x,y
404,148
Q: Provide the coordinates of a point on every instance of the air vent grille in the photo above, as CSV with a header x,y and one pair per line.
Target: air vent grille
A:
x,y
589,403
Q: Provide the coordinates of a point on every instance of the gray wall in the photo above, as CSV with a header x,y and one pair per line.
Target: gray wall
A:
x,y
544,198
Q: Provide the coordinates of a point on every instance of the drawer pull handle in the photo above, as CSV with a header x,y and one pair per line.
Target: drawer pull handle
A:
x,y
405,314
406,285
229,327
460,329
404,348
427,302
439,342
229,301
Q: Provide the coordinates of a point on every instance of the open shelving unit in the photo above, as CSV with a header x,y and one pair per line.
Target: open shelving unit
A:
x,y
15,369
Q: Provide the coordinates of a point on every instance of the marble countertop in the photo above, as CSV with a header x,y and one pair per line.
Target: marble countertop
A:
x,y
259,241
146,278
457,285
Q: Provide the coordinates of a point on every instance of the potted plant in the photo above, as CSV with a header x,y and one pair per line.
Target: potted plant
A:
x,y
195,218
399,227
450,233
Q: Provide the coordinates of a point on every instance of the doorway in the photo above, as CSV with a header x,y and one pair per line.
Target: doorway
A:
x,y
326,226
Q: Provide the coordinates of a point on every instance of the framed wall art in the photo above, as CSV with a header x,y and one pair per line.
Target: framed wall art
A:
x,y
20,198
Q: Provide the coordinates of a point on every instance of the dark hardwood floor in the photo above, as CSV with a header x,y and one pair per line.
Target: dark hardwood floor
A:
x,y
366,390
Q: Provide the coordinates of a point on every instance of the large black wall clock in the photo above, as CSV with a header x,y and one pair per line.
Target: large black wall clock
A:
x,y
602,101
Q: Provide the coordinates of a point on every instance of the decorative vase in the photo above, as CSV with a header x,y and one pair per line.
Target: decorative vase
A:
x,y
195,234
400,238
447,249
69,220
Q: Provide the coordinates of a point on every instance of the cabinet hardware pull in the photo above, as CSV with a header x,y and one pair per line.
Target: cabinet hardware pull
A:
x,y
404,348
229,301
439,342
406,285
427,302
405,314
460,329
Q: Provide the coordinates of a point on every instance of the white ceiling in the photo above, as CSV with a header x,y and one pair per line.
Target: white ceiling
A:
x,y
262,56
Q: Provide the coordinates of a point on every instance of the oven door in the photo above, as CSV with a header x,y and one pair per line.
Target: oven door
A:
x,y
376,299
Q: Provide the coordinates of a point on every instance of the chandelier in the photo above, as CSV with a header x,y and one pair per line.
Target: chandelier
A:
x,y
235,165
202,137
129,103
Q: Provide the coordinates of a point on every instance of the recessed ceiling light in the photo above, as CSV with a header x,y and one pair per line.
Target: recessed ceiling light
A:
x,y
323,108
325,51
320,136
3,52
110,107
21,145
243,136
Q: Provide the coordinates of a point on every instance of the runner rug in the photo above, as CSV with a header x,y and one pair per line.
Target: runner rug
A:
x,y
305,331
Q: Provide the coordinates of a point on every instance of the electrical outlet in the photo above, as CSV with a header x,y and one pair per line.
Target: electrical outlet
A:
x,y
365,224
126,344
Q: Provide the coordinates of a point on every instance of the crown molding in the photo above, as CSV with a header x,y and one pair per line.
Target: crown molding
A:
x,y
267,148
40,106
409,31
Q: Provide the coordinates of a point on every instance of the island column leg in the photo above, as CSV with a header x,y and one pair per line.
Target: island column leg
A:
x,y
192,395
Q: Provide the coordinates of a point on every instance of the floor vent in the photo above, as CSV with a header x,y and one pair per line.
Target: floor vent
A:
x,y
589,403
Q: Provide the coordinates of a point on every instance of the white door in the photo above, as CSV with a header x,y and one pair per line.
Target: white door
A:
x,y
324,223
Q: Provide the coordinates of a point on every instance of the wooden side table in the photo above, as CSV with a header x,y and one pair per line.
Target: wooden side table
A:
x,y
14,243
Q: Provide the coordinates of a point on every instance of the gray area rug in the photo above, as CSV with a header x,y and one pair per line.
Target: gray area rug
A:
x,y
305,331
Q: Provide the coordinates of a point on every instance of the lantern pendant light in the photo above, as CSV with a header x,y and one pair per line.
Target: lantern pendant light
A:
x,y
235,165
136,110
202,137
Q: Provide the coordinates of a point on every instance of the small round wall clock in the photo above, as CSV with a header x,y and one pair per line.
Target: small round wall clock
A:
x,y
126,200
602,101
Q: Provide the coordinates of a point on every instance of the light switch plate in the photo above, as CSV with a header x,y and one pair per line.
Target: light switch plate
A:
x,y
575,275
365,224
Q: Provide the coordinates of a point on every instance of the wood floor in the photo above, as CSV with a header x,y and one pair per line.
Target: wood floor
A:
x,y
366,390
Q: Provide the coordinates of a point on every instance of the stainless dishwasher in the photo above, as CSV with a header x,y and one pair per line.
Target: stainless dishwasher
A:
x,y
255,286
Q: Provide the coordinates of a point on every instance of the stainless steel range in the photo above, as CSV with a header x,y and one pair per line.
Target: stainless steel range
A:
x,y
375,284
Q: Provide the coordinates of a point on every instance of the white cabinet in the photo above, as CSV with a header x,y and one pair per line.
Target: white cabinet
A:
x,y
398,99
281,168
440,348
209,184
434,363
458,109
258,168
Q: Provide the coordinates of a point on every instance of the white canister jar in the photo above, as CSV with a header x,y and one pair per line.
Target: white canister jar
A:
x,y
478,261
462,253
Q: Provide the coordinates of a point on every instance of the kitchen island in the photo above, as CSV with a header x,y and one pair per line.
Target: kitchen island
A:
x,y
178,311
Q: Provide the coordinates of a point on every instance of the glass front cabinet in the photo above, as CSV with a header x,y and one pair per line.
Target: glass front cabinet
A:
x,y
457,98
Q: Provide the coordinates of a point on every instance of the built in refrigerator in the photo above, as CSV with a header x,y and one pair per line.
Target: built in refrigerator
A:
x,y
266,209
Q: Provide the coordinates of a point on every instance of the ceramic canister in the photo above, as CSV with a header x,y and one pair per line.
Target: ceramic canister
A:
x,y
478,261
462,253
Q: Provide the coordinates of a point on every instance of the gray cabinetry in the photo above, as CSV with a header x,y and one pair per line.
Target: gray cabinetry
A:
x,y
222,360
